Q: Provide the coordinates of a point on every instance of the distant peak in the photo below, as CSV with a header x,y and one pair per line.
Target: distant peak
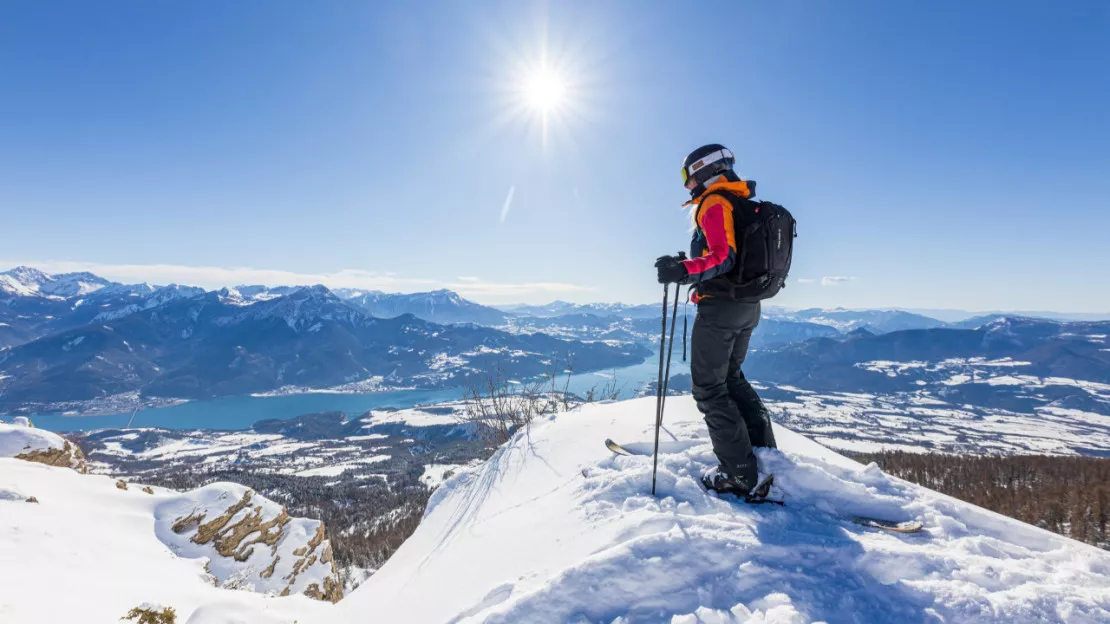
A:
x,y
28,275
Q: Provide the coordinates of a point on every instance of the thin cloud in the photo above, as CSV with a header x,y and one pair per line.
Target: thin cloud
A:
x,y
836,280
508,203
213,277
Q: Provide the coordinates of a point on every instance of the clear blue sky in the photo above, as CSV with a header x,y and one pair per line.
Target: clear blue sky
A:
x,y
939,154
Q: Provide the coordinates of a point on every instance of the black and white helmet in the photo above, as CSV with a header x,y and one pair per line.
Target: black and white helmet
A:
x,y
705,163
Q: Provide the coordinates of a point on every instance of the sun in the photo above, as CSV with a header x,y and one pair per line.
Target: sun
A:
x,y
547,90
544,90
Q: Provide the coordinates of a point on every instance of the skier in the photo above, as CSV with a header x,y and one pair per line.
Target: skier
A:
x,y
737,258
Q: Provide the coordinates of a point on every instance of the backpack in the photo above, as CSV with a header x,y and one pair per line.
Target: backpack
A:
x,y
765,234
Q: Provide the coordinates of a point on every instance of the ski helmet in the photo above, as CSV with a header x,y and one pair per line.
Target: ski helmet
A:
x,y
703,164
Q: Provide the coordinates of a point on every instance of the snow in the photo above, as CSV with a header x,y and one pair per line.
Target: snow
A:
x,y
335,470
554,528
97,545
416,416
18,438
598,547
434,474
13,286
372,436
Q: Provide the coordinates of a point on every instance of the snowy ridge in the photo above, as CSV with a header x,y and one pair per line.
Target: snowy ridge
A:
x,y
156,297
599,548
28,282
22,441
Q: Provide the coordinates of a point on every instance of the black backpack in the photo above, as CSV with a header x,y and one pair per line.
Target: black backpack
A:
x,y
765,235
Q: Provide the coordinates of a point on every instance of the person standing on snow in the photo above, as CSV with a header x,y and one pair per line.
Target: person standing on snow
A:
x,y
738,257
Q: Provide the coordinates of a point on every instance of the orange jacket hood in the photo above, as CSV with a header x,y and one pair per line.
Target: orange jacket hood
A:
x,y
743,188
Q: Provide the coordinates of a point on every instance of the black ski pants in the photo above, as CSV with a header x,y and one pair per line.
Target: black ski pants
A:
x,y
736,416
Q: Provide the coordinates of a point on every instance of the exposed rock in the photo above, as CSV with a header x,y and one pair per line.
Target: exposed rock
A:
x,y
121,484
32,499
69,456
251,542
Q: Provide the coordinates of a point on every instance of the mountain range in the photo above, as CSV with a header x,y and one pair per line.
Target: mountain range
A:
x,y
187,343
439,306
78,337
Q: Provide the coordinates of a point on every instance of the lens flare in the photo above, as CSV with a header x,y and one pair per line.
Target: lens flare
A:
x,y
544,90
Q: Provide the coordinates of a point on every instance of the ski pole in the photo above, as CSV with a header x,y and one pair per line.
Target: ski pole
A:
x,y
670,351
664,374
659,387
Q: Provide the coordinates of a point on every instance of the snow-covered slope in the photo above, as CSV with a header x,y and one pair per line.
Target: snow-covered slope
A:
x,y
89,551
21,440
554,528
108,546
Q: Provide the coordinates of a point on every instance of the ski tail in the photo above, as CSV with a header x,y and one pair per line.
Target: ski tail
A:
x,y
908,526
617,448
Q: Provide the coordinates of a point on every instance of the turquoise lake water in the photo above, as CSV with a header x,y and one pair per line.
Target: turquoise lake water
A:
x,y
240,412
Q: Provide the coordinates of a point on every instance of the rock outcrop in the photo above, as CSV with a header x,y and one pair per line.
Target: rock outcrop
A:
x,y
21,440
251,542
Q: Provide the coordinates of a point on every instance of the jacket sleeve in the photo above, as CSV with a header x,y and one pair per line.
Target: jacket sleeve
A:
x,y
716,223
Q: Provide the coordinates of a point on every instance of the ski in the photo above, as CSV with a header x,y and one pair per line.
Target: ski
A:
x,y
761,491
617,448
908,526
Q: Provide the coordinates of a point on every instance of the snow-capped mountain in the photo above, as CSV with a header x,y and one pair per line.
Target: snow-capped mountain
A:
x,y
844,320
128,300
262,293
439,306
28,282
1014,364
566,308
219,344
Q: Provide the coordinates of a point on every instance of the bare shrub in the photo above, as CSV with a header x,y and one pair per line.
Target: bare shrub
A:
x,y
497,408
146,614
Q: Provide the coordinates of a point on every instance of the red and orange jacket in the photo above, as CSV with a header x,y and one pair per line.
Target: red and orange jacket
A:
x,y
713,249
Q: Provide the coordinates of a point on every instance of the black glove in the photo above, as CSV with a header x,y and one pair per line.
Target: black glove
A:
x,y
671,270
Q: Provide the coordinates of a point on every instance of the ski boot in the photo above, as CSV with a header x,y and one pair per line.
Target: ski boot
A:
x,y
721,482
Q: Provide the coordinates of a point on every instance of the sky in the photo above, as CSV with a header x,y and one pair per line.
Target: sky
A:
x,y
936,155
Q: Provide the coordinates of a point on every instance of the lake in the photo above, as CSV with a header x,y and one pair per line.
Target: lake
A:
x,y
240,412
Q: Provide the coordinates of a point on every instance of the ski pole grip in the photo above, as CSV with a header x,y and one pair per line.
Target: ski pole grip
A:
x,y
681,255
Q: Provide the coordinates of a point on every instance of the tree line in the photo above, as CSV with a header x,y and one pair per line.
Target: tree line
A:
x,y
1066,495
